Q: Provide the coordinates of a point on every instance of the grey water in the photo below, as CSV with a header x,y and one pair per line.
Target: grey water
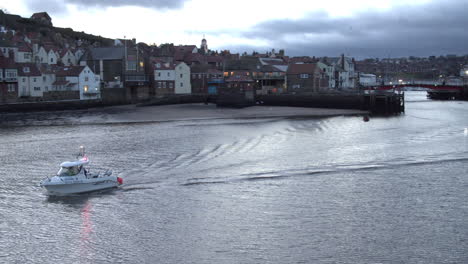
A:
x,y
267,190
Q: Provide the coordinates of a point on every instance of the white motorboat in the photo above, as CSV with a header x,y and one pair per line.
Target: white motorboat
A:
x,y
74,178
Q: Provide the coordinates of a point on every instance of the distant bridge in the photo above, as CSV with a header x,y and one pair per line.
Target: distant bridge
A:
x,y
434,91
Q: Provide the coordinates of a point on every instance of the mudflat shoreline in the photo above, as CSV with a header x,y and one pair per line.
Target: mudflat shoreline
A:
x,y
165,113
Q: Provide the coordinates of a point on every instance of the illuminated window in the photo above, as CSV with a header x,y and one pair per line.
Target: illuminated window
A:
x,y
226,74
85,88
141,64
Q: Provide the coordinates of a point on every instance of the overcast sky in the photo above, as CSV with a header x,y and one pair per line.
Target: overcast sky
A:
x,y
360,28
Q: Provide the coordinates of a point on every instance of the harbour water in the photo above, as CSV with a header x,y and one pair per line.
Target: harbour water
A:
x,y
264,190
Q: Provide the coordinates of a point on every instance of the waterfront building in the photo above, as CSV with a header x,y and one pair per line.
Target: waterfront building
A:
x,y
8,80
8,49
330,72
205,80
240,83
306,78
78,78
346,76
164,78
30,81
171,78
367,79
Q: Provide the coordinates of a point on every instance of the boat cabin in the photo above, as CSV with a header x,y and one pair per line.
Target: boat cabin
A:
x,y
71,168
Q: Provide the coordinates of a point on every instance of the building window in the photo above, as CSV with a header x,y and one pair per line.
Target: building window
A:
x,y
164,85
43,78
181,84
11,74
159,74
296,86
181,75
24,79
131,66
25,69
86,79
37,88
34,79
171,85
85,88
11,87
168,74
159,84
51,59
304,76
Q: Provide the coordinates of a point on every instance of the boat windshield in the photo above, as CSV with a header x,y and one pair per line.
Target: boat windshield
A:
x,y
69,171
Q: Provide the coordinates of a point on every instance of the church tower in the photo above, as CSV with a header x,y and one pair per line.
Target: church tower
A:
x,y
204,45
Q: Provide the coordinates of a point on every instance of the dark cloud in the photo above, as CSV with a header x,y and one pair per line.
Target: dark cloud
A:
x,y
58,6
432,29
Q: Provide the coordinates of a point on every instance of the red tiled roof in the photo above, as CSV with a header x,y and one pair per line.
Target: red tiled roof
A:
x,y
185,48
214,59
28,69
304,59
24,48
164,65
302,68
70,71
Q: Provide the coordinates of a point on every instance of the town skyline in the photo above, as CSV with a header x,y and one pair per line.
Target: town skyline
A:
x,y
361,30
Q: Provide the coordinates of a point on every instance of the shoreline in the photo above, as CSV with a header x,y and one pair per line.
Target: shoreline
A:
x,y
128,114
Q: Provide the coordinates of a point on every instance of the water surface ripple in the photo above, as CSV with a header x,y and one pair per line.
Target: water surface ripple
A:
x,y
272,190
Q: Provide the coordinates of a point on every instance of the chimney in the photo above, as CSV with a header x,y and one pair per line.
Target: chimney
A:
x,y
342,61
11,55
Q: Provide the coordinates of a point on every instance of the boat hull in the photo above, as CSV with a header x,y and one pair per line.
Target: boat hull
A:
x,y
76,187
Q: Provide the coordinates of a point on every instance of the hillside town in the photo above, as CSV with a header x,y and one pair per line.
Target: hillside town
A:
x,y
40,63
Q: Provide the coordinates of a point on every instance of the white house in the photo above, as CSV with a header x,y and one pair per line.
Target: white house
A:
x,y
8,50
24,55
67,58
172,78
48,77
346,72
164,77
40,54
329,71
367,79
78,78
182,79
52,56
29,80
464,71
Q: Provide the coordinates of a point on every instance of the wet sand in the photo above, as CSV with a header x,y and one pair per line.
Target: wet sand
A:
x,y
165,113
